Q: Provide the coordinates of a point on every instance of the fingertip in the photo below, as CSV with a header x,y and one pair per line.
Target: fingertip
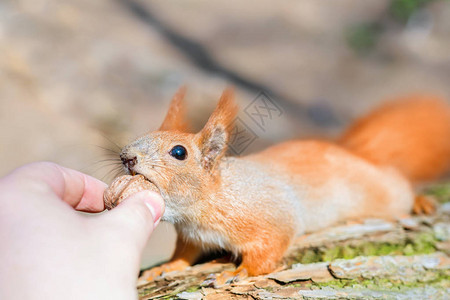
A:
x,y
136,217
154,203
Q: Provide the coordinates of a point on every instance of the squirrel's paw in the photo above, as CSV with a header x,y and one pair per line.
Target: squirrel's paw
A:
x,y
153,273
424,205
228,277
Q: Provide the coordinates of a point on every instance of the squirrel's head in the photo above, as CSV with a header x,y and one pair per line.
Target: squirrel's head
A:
x,y
183,165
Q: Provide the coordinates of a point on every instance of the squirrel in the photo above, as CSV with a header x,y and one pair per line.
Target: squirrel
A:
x,y
253,206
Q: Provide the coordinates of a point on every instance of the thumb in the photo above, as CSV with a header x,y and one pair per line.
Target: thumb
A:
x,y
137,216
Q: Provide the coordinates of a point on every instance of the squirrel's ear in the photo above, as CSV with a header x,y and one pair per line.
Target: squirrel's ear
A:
x,y
175,118
213,138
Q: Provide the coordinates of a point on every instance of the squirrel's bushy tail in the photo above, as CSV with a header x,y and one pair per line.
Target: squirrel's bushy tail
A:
x,y
411,134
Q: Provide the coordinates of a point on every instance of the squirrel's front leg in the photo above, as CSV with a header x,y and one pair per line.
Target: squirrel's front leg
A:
x,y
185,255
258,258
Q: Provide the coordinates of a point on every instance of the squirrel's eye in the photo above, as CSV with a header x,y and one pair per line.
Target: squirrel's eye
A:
x,y
179,152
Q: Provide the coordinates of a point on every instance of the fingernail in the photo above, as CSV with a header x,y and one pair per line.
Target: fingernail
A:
x,y
155,204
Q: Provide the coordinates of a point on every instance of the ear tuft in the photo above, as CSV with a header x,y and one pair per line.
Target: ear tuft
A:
x,y
175,118
214,136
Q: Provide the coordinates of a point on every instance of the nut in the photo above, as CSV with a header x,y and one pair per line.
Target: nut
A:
x,y
123,187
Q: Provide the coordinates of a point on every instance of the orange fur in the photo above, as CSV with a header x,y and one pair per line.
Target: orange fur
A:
x,y
175,118
213,138
411,134
424,205
254,206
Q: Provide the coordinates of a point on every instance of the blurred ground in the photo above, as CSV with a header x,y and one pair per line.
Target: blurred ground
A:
x,y
79,75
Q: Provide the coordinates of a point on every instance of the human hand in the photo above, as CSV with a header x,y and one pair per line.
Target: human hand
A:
x,y
49,251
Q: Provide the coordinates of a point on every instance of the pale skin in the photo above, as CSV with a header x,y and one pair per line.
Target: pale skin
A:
x,y
50,251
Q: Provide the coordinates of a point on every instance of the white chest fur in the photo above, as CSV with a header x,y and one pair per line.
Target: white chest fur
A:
x,y
209,239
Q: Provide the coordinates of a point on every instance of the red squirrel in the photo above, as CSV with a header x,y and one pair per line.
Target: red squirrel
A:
x,y
253,206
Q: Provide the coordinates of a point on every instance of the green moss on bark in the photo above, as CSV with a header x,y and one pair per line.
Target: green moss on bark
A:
x,y
422,243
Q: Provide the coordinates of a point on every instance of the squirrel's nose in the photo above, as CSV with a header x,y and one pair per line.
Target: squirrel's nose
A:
x,y
129,162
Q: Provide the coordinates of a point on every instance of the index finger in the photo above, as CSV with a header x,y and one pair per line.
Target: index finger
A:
x,y
81,191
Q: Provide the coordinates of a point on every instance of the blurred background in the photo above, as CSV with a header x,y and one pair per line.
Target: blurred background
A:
x,y
80,76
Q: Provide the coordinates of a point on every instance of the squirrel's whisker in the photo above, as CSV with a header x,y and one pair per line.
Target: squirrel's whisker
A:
x,y
112,142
